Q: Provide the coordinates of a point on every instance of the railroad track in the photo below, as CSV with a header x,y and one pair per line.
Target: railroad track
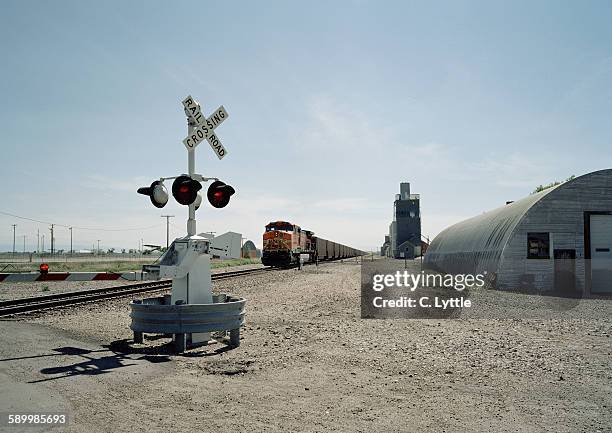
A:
x,y
37,303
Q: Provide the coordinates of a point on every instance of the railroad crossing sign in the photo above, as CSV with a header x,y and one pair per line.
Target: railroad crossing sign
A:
x,y
204,128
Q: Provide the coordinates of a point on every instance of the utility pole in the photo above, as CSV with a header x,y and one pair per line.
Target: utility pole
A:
x,y
70,228
14,225
43,244
37,241
167,229
52,239
98,246
24,238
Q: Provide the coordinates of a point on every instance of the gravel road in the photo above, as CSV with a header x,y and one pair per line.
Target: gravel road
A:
x,y
308,362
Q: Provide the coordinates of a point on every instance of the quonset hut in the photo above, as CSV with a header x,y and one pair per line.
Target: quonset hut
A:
x,y
557,240
249,251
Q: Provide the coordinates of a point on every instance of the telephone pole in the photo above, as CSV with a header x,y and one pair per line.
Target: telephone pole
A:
x,y
52,239
167,228
24,238
37,241
14,225
70,228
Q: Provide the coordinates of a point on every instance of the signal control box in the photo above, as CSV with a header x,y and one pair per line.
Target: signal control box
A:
x,y
180,257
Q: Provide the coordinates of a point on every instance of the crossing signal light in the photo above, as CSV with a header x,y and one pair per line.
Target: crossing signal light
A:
x,y
185,189
44,268
157,193
219,194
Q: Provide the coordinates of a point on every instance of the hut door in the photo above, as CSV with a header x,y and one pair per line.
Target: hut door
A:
x,y
565,271
601,253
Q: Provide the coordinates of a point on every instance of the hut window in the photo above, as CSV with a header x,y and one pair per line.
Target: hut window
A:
x,y
538,246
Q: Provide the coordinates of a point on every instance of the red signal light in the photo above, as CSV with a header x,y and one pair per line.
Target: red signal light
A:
x,y
185,189
219,194
44,268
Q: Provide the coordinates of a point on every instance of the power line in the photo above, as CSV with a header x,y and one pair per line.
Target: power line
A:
x,y
80,228
24,218
115,230
176,227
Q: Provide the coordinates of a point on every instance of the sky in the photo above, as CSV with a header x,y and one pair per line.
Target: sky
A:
x,y
331,105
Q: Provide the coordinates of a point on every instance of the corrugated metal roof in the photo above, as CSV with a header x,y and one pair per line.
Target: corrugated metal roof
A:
x,y
476,243
249,246
487,231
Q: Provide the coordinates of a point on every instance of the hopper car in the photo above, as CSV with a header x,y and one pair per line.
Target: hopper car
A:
x,y
285,244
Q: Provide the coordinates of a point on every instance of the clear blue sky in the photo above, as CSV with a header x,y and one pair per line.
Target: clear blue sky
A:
x,y
331,105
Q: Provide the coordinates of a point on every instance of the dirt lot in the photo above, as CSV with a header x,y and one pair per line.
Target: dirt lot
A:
x,y
309,363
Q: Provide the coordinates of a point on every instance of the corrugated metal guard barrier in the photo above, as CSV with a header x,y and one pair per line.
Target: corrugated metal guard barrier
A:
x,y
157,316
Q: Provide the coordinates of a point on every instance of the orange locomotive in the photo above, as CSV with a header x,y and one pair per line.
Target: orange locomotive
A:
x,y
285,243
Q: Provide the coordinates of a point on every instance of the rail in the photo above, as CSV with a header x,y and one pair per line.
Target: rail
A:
x,y
38,303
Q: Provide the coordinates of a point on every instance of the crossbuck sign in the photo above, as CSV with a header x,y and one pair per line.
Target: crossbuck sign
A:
x,y
204,128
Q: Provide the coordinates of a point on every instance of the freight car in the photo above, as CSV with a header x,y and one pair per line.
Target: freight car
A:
x,y
285,244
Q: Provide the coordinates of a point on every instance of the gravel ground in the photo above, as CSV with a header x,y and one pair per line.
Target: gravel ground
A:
x,y
309,363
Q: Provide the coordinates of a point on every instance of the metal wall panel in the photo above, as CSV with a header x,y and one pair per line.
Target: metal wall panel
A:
x,y
601,253
496,241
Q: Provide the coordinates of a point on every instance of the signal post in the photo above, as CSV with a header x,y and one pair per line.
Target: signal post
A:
x,y
191,312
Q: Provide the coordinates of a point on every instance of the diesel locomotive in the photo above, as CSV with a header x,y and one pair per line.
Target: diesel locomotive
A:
x,y
285,244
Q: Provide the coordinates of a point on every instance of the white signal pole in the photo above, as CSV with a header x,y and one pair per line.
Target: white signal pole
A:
x,y
191,222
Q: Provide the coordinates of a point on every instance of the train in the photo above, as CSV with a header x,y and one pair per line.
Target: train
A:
x,y
285,244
